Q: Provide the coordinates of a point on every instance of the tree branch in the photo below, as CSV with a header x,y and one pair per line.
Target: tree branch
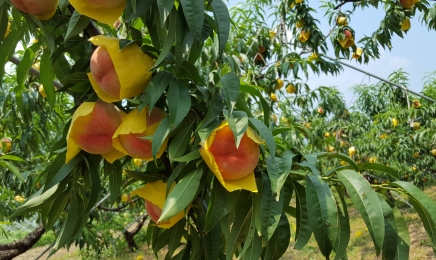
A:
x,y
129,235
9,251
119,208
344,2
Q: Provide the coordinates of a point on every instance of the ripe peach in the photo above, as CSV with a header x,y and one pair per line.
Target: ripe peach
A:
x,y
347,34
7,143
407,3
93,133
132,142
45,9
234,163
106,3
153,211
103,70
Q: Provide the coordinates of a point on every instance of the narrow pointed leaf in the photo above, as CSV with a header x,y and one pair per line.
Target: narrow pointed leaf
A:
x,y
182,194
367,203
322,213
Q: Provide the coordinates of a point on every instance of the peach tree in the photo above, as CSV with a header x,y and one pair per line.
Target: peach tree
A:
x,y
193,90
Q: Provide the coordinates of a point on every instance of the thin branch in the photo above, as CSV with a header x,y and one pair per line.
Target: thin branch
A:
x,y
380,78
344,2
119,208
35,72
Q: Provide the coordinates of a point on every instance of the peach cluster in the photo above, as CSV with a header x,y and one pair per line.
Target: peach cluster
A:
x,y
102,128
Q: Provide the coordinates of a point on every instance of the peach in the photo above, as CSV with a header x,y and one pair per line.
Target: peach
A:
x,y
153,211
106,3
43,8
93,133
103,70
234,163
131,140
7,143
407,3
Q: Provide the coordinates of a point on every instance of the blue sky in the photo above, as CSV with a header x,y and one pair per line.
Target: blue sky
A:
x,y
415,53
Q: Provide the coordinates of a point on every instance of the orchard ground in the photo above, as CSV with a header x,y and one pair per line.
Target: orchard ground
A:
x,y
360,246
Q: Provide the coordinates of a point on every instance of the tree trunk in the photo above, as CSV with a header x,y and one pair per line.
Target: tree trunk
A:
x,y
130,234
9,251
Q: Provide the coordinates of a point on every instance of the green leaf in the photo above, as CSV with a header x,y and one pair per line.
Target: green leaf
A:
x,y
64,171
270,209
145,176
57,208
157,86
391,234
194,15
38,199
266,135
11,158
179,101
341,156
238,123
62,67
14,170
162,132
25,65
249,237
181,195
222,18
341,244
77,23
367,203
220,204
181,29
424,206
403,245
115,179
69,225
231,86
212,243
215,108
379,167
46,77
165,7
240,225
180,142
7,48
189,157
255,249
304,231
176,233
279,242
322,213
171,37
255,91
